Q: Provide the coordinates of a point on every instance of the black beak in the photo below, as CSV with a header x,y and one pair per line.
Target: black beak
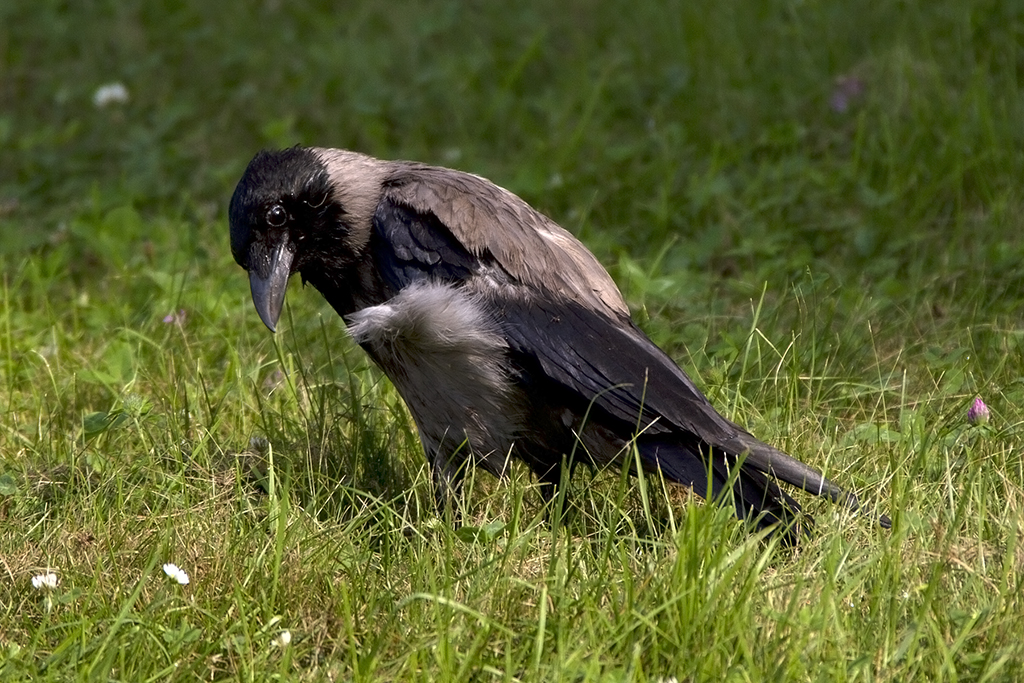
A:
x,y
268,278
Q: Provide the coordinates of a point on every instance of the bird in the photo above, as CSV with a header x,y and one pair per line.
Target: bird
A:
x,y
504,335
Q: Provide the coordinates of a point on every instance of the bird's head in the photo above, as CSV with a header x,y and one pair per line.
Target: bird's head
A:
x,y
287,216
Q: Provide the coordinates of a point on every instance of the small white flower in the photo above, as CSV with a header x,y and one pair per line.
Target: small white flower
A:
x,y
176,573
48,580
111,93
283,639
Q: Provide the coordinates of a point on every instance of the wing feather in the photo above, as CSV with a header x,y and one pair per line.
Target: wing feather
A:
x,y
624,373
491,221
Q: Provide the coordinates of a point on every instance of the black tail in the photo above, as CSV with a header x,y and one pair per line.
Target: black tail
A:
x,y
754,495
771,461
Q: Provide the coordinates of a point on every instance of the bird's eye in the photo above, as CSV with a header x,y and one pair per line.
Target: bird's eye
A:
x,y
276,216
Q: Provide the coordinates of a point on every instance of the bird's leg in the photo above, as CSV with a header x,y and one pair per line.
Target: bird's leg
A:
x,y
447,478
554,490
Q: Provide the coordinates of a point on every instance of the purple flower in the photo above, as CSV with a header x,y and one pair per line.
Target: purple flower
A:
x,y
978,412
847,90
178,317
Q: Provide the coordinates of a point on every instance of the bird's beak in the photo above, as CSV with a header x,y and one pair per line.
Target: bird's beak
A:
x,y
269,282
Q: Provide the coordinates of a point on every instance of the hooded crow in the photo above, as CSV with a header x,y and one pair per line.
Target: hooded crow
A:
x,y
503,334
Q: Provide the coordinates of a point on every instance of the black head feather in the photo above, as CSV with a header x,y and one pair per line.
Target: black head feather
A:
x,y
283,194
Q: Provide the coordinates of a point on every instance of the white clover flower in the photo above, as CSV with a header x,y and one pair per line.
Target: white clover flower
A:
x,y
284,638
176,573
111,93
48,581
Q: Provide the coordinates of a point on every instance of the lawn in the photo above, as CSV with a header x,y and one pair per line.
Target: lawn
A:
x,y
816,208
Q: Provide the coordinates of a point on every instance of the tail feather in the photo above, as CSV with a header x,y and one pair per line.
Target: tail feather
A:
x,y
754,496
773,462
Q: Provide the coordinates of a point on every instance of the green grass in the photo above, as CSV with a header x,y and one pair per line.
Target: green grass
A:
x,y
844,283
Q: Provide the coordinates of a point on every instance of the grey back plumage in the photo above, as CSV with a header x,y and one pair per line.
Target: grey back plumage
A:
x,y
486,218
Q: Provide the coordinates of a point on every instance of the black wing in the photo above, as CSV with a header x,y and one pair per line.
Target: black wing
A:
x,y
615,365
610,362
578,348
410,246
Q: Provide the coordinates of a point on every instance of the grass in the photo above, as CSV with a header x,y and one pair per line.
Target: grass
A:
x,y
844,281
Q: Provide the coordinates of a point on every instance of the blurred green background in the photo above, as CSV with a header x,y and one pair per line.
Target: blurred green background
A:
x,y
713,127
